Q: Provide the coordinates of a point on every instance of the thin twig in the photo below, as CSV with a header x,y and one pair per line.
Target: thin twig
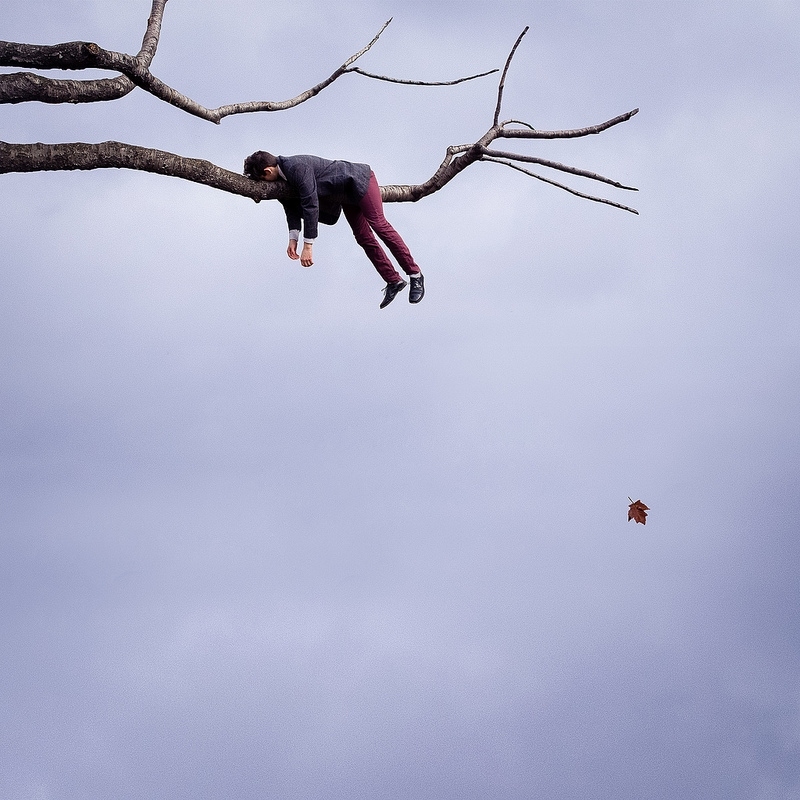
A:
x,y
498,154
561,185
503,78
419,83
367,47
517,122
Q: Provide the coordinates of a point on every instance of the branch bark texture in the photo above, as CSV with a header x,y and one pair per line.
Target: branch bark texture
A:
x,y
20,87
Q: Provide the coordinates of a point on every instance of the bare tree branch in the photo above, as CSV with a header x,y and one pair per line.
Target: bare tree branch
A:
x,y
419,83
497,155
45,157
575,133
22,87
501,87
459,157
40,157
562,186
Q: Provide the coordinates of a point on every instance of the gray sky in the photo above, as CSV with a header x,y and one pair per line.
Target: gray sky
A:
x,y
263,540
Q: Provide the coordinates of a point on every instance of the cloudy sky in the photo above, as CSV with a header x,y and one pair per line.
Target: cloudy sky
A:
x,y
261,539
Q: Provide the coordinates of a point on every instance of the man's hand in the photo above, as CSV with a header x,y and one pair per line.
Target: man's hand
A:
x,y
307,256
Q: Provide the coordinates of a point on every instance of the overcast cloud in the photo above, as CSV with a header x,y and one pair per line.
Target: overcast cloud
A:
x,y
261,539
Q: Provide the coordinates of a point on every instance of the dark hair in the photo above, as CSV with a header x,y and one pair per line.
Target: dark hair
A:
x,y
255,164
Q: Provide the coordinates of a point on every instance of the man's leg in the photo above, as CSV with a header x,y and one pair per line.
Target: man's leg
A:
x,y
371,207
365,237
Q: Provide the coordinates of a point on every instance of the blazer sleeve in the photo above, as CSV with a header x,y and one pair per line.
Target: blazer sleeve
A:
x,y
300,174
294,213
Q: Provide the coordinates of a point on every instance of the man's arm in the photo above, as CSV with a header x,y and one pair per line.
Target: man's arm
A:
x,y
300,176
293,220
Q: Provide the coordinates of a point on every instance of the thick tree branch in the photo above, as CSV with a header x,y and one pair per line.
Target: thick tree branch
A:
x,y
24,87
20,87
81,156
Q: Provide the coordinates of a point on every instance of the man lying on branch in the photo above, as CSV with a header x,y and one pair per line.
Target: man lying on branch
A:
x,y
324,189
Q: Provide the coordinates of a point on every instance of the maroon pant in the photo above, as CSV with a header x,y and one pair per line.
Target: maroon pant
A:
x,y
367,217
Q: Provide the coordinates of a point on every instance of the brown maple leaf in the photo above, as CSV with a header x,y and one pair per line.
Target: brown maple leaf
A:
x,y
637,511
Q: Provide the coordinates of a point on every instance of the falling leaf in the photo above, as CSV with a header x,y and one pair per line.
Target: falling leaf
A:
x,y
637,511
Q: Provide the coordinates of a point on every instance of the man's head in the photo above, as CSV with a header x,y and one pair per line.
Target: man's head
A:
x,y
261,166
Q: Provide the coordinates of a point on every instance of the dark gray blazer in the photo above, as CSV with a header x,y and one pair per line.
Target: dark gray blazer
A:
x,y
322,187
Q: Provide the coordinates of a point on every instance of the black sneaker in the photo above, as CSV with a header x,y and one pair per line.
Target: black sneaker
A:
x,y
391,290
417,290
